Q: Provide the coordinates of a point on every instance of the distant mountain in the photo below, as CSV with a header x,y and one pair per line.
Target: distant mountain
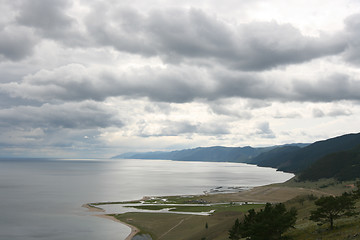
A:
x,y
300,159
344,165
293,158
209,154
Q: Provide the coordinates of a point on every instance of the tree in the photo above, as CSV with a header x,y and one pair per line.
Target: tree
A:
x,y
267,224
331,208
234,231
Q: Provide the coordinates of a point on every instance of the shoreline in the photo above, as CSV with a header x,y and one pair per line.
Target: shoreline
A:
x,y
134,230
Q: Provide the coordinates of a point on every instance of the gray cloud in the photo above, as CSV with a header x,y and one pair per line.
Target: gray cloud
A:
x,y
318,113
192,35
176,128
85,115
352,53
222,108
263,130
166,128
340,112
76,83
183,35
214,128
176,84
337,86
48,16
335,112
16,42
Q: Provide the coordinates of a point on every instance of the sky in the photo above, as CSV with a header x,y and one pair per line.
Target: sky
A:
x,y
93,79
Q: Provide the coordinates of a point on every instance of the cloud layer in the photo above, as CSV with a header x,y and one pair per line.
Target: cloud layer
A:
x,y
102,75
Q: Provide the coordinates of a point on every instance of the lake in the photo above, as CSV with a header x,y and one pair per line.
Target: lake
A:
x,y
42,198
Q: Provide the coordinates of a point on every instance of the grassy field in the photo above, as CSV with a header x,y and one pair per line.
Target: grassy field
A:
x,y
181,226
345,228
172,226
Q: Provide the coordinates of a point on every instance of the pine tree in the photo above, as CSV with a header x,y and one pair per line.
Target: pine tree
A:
x,y
331,208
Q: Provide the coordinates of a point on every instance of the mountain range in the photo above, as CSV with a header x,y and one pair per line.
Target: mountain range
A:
x,y
302,159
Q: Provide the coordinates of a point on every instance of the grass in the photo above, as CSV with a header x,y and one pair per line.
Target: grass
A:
x,y
182,227
345,228
326,186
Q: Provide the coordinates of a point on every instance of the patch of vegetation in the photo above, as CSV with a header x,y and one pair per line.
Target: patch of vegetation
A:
x,y
267,224
205,208
331,208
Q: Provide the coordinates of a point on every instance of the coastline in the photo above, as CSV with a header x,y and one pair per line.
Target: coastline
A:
x,y
134,230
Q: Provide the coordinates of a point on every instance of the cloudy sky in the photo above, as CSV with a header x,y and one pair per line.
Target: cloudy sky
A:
x,y
95,78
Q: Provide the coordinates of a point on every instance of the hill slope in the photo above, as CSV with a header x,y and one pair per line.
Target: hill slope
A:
x,y
343,166
298,160
274,157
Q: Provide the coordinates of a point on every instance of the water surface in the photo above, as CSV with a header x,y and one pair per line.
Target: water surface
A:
x,y
42,198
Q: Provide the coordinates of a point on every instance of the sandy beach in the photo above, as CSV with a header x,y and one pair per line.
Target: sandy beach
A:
x,y
134,230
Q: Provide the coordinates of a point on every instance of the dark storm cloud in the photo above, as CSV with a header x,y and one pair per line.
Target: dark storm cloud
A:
x,y
192,35
83,115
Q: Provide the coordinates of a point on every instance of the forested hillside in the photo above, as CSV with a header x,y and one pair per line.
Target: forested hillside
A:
x,y
343,166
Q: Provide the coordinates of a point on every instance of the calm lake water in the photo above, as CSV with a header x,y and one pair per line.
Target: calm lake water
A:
x,y
42,199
